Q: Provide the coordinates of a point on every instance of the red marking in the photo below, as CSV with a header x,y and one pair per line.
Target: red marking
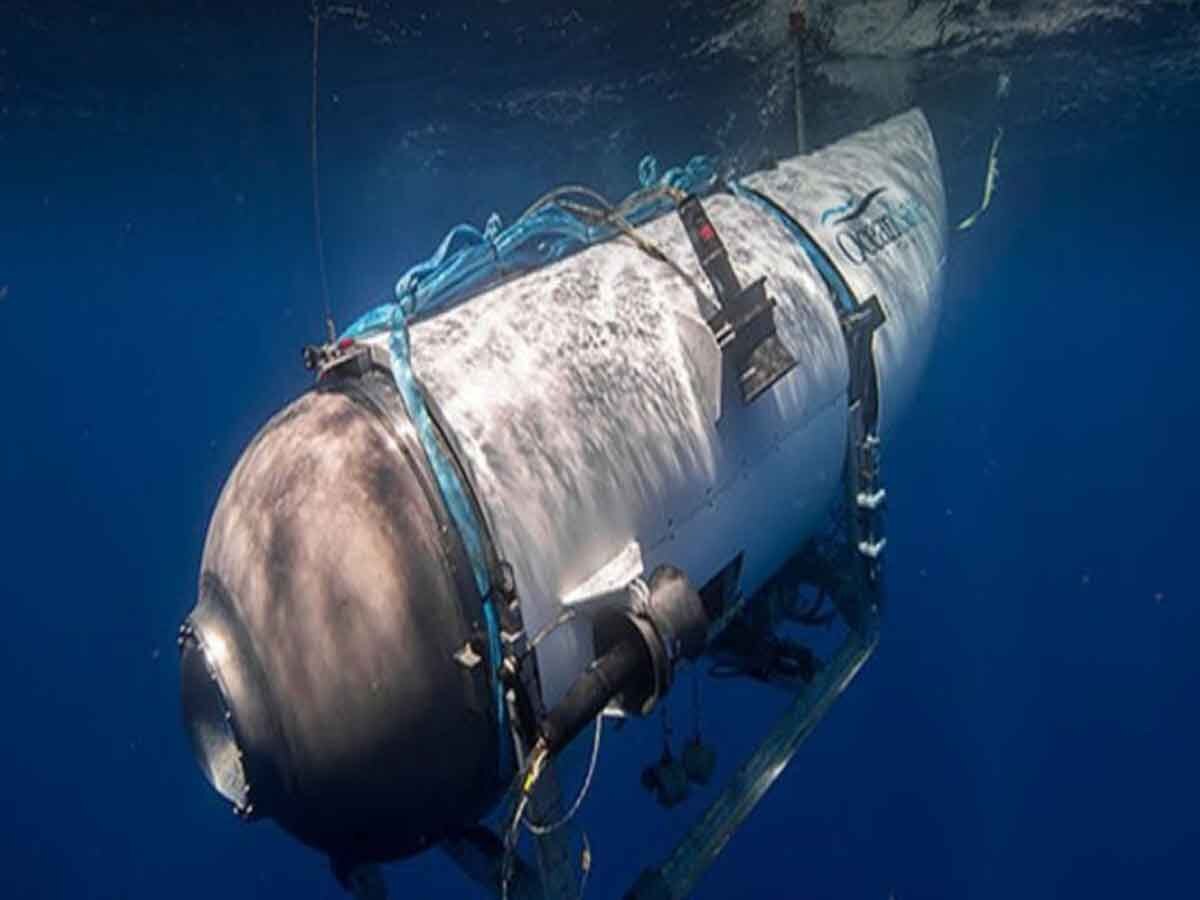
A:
x,y
707,232
345,343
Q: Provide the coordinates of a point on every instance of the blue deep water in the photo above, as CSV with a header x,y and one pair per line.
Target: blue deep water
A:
x,y
1029,726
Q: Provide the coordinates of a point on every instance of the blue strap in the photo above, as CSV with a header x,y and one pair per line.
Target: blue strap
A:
x,y
458,505
843,297
468,260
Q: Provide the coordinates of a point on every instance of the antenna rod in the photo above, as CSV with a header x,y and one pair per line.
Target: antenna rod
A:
x,y
316,186
798,28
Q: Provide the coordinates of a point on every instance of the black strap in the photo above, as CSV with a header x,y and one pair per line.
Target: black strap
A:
x,y
709,249
744,326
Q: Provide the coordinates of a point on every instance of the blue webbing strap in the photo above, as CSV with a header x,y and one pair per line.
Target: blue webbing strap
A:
x,y
468,260
859,322
843,297
457,503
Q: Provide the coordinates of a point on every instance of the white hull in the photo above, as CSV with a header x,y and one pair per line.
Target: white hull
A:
x,y
577,392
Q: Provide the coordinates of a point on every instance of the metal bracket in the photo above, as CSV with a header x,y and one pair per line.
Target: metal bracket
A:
x,y
467,657
345,357
745,330
745,325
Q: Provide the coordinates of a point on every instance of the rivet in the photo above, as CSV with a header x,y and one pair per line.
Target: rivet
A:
x,y
507,580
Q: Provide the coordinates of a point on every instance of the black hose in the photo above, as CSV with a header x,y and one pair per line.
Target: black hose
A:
x,y
626,666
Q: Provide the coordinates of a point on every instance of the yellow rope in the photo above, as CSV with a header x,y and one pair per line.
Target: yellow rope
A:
x,y
989,184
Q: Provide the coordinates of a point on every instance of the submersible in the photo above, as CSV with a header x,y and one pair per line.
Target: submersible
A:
x,y
490,521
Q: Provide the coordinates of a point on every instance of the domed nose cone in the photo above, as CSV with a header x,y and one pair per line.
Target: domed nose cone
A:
x,y
337,592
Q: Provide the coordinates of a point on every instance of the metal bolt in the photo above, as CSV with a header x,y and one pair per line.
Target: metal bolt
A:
x,y
506,580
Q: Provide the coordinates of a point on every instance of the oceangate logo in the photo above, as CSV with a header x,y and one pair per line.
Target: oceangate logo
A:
x,y
852,209
865,236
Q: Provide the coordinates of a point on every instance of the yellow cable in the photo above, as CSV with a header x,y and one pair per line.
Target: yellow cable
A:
x,y
536,764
